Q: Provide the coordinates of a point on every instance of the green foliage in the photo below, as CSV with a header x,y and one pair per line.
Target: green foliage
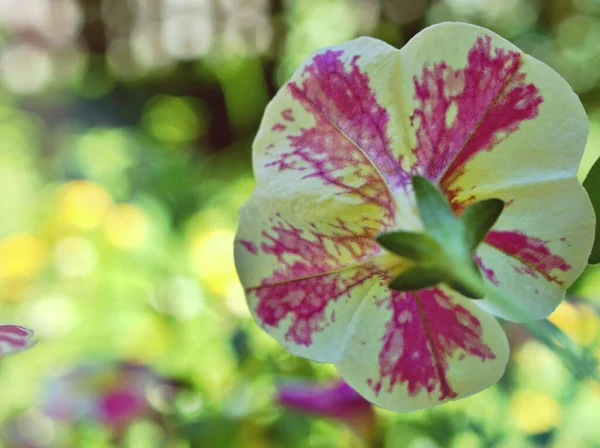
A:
x,y
592,185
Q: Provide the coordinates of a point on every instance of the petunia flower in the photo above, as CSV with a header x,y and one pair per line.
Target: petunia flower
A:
x,y
15,339
114,394
334,161
337,401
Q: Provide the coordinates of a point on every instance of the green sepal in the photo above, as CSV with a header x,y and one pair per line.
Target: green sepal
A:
x,y
592,186
478,219
436,214
417,277
411,245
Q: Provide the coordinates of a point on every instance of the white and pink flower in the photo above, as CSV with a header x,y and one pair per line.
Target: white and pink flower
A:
x,y
114,394
333,160
15,339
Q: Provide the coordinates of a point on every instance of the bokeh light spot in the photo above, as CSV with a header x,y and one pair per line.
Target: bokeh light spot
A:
x,y
127,226
179,297
83,204
173,120
25,68
535,412
53,316
21,255
75,256
212,259
579,322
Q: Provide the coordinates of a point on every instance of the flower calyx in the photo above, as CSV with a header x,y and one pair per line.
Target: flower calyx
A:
x,y
444,251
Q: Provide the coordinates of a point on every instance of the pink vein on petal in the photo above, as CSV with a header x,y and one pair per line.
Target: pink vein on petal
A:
x,y
532,252
287,115
425,330
465,111
249,246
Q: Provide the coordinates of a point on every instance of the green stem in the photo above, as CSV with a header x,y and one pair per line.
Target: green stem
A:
x,y
379,440
577,358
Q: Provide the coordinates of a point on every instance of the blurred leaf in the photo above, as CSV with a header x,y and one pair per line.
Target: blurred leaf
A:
x,y
214,431
175,120
592,185
241,345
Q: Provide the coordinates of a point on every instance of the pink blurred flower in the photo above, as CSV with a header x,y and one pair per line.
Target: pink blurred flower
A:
x,y
337,401
15,339
113,394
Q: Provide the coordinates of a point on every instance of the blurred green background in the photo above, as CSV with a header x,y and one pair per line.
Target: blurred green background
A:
x,y
125,144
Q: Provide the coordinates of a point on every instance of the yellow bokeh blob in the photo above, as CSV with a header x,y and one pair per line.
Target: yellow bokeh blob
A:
x,y
212,259
127,226
21,256
143,337
579,322
535,412
83,204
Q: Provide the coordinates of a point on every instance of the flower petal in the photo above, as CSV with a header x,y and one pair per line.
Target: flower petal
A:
x,y
304,275
416,350
538,247
327,176
331,125
15,339
336,400
485,104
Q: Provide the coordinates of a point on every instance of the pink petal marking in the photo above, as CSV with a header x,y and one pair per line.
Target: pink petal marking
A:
x,y
309,276
249,246
532,252
487,272
425,330
350,131
490,99
306,300
286,114
14,338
